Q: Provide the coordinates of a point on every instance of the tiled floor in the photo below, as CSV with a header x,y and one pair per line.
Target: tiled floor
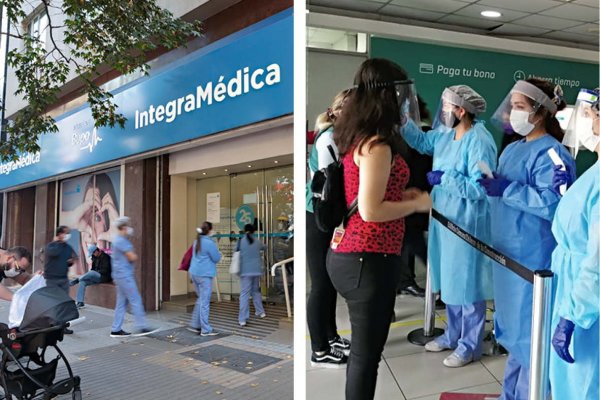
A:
x,y
406,371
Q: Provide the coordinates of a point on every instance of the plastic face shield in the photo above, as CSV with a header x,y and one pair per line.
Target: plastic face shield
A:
x,y
520,98
408,105
445,117
582,120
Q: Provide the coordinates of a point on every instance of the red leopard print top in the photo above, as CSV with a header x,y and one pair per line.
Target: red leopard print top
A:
x,y
373,237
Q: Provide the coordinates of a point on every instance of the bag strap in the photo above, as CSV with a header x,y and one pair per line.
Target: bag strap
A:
x,y
332,152
351,211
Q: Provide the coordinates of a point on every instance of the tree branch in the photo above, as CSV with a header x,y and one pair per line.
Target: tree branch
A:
x,y
50,32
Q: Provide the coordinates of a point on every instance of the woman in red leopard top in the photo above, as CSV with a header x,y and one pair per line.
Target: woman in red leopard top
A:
x,y
364,264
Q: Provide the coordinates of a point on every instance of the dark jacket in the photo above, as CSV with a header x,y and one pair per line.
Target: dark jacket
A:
x,y
101,265
58,256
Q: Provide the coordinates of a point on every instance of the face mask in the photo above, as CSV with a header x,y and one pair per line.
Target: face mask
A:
x,y
280,226
67,237
519,120
10,273
129,231
11,269
589,140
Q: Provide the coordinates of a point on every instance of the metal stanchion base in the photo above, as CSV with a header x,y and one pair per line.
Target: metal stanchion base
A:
x,y
418,337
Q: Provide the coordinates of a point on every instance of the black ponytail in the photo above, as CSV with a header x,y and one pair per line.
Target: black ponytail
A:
x,y
249,229
554,92
204,230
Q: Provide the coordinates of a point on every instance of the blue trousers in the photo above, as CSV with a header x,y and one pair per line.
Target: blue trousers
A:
x,y
127,293
516,381
464,334
203,286
88,279
249,286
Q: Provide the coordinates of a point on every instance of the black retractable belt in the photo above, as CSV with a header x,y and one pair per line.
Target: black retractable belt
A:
x,y
500,258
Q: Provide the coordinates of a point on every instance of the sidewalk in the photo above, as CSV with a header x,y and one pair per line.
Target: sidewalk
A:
x,y
174,363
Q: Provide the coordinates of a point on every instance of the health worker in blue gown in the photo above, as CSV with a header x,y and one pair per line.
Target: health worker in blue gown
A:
x,y
576,264
459,144
522,208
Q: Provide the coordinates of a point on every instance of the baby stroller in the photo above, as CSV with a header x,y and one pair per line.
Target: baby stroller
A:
x,y
25,372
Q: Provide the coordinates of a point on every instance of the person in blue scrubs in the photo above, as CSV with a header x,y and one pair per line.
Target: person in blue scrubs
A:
x,y
522,208
574,362
203,269
458,143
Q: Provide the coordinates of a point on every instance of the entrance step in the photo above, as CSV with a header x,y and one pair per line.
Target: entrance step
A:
x,y
468,396
180,305
224,318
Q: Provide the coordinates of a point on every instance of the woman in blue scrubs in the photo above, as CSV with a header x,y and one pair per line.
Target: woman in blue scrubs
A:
x,y
458,143
522,208
576,264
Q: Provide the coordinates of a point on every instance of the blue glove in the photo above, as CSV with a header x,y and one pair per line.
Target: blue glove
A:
x,y
561,178
434,177
562,339
494,186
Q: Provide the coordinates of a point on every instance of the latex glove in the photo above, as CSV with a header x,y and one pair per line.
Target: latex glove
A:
x,y
561,178
494,186
562,339
434,177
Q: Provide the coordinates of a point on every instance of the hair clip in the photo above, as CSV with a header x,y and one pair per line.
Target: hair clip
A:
x,y
558,94
330,113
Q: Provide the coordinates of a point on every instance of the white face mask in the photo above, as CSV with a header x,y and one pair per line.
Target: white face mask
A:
x,y
129,231
67,237
519,120
587,137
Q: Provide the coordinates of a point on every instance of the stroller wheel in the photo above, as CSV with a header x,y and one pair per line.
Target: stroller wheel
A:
x,y
77,394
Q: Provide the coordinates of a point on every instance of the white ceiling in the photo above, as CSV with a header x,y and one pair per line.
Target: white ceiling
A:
x,y
571,23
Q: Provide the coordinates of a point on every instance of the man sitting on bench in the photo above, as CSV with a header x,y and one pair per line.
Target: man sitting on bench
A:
x,y
100,273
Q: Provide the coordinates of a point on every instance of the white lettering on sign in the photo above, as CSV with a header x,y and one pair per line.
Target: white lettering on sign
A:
x,y
241,83
572,83
25,160
452,72
86,140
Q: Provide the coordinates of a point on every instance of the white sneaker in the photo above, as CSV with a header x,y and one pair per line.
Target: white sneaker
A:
x,y
263,315
454,361
435,347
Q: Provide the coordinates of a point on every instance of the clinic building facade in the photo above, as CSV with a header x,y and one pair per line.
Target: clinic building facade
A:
x,y
208,137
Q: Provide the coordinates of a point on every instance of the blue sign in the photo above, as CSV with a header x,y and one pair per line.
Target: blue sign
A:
x,y
244,215
242,79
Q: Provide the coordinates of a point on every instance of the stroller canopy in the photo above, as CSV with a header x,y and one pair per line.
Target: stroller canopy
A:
x,y
47,307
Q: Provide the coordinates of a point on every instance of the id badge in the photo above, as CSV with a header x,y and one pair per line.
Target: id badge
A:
x,y
338,235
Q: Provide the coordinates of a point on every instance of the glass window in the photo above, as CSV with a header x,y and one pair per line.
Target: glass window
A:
x,y
330,39
38,27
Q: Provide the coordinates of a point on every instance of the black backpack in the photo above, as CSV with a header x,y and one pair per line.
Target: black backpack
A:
x,y
329,197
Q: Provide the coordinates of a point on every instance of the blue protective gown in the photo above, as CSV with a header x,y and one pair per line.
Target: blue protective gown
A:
x,y
462,273
575,262
521,221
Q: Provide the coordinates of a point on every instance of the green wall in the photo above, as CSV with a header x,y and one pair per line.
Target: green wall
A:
x,y
492,74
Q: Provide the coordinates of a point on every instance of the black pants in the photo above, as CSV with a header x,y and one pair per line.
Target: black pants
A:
x,y
320,311
368,282
414,246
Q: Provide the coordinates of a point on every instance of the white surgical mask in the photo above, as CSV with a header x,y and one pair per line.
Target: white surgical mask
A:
x,y
519,120
590,141
67,237
130,231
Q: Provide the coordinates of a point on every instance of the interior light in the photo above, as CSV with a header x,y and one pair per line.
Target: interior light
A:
x,y
276,162
249,166
491,14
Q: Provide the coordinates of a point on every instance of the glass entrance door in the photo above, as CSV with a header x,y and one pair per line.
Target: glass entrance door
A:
x,y
263,198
